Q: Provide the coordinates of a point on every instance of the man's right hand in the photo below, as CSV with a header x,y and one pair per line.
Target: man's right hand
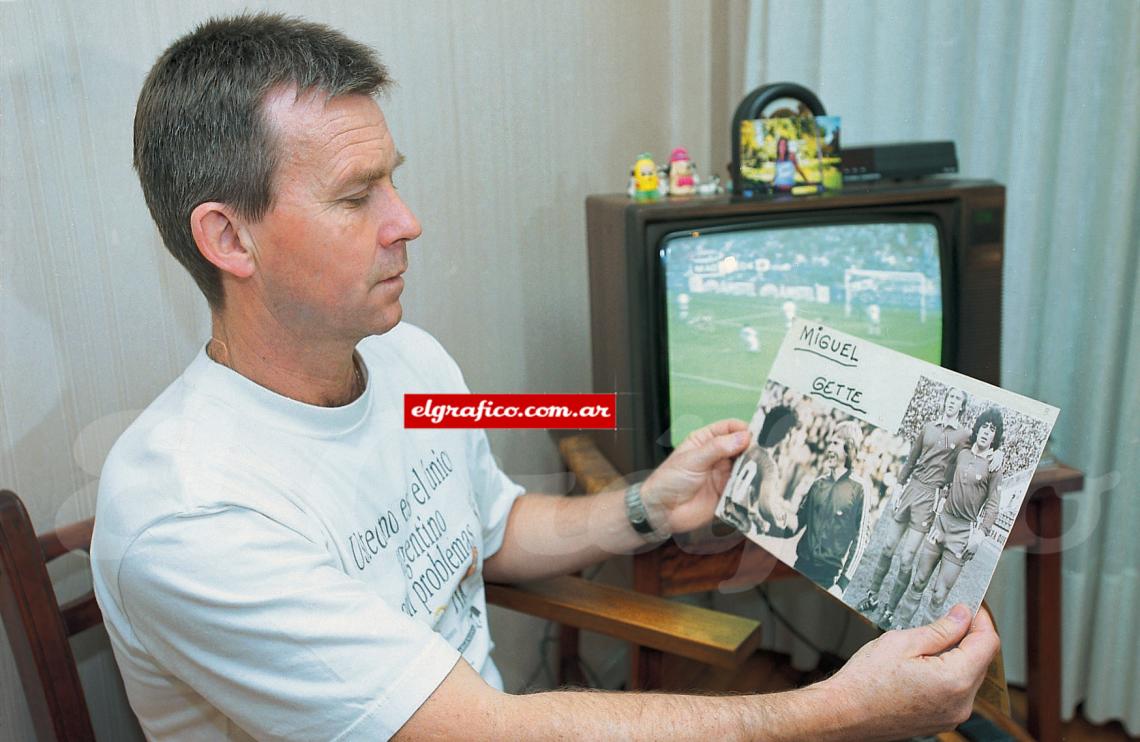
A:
x,y
895,496
920,680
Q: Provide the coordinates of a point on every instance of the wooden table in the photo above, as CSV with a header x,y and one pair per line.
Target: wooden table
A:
x,y
673,570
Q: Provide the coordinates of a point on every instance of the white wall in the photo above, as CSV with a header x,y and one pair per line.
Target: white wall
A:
x,y
509,114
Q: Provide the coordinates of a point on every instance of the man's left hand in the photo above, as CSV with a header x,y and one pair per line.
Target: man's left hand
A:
x,y
997,458
686,487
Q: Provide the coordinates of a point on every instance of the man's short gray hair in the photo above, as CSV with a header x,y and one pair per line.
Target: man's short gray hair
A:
x,y
200,130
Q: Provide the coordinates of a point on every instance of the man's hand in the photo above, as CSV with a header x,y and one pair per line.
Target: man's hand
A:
x,y
685,488
790,514
973,543
895,496
918,681
997,458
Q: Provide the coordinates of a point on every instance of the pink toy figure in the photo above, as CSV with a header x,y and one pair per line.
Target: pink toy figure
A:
x,y
681,172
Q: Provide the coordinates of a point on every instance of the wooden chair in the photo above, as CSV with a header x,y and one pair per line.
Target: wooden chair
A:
x,y
38,627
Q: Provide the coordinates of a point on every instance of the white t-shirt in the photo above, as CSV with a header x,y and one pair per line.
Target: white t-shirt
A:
x,y
284,571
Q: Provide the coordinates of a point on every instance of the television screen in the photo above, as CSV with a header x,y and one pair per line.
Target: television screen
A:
x,y
732,292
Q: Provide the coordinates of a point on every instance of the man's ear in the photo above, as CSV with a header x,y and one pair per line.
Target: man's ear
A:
x,y
222,239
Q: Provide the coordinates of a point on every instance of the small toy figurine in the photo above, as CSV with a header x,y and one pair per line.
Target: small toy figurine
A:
x,y
681,172
710,187
662,180
643,181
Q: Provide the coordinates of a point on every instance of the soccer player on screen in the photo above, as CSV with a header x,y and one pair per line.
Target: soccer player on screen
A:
x,y
789,309
750,338
963,519
874,320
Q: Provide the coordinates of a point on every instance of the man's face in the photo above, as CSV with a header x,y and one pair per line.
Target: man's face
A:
x,y
954,400
331,250
986,436
835,454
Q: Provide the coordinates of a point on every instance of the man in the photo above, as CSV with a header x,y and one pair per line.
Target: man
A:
x,y
963,519
831,513
275,556
752,503
912,506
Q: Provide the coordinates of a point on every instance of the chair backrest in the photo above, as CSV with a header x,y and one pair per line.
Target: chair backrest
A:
x,y
38,627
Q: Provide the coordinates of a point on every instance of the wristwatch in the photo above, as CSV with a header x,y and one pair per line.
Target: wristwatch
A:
x,y
639,517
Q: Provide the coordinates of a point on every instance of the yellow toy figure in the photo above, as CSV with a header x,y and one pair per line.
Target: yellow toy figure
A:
x,y
682,180
643,181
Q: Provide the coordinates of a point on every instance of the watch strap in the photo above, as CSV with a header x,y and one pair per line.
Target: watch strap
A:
x,y
639,517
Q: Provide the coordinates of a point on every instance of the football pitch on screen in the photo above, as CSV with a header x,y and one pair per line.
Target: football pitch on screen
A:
x,y
714,373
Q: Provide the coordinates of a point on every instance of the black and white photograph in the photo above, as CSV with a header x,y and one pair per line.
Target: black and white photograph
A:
x,y
891,483
939,534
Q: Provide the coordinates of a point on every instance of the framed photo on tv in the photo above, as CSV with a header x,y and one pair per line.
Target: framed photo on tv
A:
x,y
791,154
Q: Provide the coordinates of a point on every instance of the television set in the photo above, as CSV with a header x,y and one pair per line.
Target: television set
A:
x,y
690,297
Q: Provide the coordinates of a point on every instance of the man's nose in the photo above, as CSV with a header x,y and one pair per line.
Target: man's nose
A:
x,y
404,224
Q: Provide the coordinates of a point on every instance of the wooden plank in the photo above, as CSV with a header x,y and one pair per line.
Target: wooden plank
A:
x,y
676,628
646,668
593,471
72,537
81,614
1056,479
683,570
